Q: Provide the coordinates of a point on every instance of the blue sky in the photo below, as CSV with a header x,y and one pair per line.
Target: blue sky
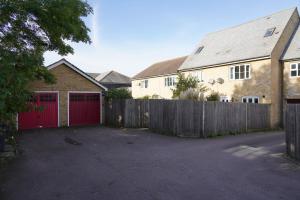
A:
x,y
130,35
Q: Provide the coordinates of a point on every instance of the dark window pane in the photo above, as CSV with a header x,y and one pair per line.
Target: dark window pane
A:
x,y
242,68
199,50
269,32
92,97
75,97
255,100
47,98
250,100
293,73
242,76
244,100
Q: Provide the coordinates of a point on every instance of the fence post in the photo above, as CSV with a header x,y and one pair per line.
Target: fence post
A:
x,y
246,117
203,119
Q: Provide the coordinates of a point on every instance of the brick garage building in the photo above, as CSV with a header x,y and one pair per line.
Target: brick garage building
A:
x,y
75,99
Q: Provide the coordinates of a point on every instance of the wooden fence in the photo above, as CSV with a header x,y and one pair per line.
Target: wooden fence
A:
x,y
292,129
188,118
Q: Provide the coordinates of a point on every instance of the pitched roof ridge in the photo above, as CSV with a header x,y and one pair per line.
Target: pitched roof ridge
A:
x,y
253,20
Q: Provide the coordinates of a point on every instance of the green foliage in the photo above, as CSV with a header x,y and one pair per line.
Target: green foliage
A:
x,y
28,29
185,83
214,96
145,97
118,93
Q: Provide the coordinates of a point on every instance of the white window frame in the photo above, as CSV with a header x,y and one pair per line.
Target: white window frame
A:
x,y
170,81
232,72
224,99
143,84
297,70
252,99
197,75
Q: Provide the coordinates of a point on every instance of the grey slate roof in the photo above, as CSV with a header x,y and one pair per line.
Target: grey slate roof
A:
x,y
94,75
111,77
245,41
293,50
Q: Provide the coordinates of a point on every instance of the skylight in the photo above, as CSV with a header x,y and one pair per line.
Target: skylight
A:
x,y
269,32
199,50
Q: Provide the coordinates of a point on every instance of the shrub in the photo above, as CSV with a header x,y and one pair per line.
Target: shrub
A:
x,y
118,93
214,96
191,94
185,83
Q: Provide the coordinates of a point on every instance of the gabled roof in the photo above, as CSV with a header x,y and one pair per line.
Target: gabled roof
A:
x,y
242,42
94,75
111,77
76,69
161,68
293,49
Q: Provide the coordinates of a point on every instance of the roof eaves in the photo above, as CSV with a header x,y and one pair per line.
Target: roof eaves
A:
x,y
67,63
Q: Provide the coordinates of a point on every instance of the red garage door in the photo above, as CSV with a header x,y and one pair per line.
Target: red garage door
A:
x,y
84,109
43,114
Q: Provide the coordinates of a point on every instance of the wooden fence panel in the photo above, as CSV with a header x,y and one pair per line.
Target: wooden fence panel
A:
x,y
188,118
114,113
198,119
258,116
292,129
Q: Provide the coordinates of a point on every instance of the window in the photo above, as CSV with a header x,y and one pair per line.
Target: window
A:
x,y
77,97
295,69
92,97
197,75
250,99
47,98
199,50
144,84
170,81
269,32
224,99
239,72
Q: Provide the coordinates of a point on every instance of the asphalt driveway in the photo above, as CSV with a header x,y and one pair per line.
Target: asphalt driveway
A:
x,y
103,163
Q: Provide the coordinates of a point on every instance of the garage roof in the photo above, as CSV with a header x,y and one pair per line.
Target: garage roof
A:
x,y
76,69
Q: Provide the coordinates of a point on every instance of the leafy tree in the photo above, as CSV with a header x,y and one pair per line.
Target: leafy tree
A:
x,y
28,29
185,83
118,93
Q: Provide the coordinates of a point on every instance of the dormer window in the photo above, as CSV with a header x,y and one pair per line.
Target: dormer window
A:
x,y
269,32
199,50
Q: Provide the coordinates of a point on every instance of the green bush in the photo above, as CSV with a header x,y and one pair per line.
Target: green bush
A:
x,y
118,93
214,96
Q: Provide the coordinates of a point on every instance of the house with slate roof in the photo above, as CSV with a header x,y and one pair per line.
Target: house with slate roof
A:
x,y
157,80
255,62
246,63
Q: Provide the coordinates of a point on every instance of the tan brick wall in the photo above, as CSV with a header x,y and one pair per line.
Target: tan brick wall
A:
x,y
156,86
291,85
66,80
277,71
258,85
